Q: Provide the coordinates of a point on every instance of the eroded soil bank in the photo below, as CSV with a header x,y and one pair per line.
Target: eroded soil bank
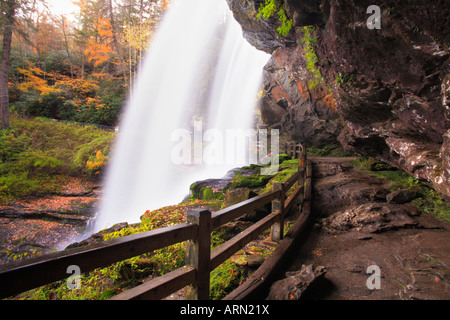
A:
x,y
356,224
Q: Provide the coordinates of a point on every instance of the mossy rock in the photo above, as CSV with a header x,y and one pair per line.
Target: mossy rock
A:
x,y
201,192
251,182
208,194
249,260
237,195
197,190
136,269
371,164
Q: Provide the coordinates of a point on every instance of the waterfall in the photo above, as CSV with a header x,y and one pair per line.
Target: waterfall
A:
x,y
199,73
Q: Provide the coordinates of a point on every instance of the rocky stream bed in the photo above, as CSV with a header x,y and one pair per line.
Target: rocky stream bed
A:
x,y
46,224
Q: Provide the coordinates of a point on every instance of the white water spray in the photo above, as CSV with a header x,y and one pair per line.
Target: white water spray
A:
x,y
142,175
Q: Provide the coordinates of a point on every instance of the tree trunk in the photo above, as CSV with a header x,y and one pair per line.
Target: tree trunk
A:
x,y
115,41
66,44
5,62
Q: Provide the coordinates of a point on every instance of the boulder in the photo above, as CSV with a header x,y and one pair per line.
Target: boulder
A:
x,y
402,196
295,284
371,218
97,237
248,260
235,196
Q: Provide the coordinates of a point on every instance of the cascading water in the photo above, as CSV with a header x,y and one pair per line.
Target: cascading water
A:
x,y
197,58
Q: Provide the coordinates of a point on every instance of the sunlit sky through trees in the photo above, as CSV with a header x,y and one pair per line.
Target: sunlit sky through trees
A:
x,y
62,7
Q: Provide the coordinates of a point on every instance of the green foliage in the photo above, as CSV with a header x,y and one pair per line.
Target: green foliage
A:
x,y
344,79
88,101
309,42
50,106
269,8
286,24
281,158
36,155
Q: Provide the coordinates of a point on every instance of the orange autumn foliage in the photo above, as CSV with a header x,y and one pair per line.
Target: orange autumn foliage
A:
x,y
95,166
34,81
98,50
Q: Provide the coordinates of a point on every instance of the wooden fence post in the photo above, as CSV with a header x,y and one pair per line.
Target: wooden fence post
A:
x,y
278,205
302,174
198,254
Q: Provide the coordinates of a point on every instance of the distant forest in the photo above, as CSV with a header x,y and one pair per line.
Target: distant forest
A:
x,y
77,68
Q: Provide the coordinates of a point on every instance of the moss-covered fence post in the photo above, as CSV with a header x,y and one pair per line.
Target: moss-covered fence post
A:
x,y
198,254
278,205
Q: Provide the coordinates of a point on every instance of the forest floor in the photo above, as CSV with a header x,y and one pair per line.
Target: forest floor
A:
x,y
355,227
44,224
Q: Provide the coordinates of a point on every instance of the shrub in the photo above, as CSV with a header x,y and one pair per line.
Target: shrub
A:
x,y
36,155
96,165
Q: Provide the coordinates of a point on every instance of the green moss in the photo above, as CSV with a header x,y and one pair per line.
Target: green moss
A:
x,y
225,279
281,158
370,164
430,201
197,190
309,41
208,194
331,150
272,7
285,171
251,182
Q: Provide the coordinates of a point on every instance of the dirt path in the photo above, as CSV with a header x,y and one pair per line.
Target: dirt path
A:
x,y
355,227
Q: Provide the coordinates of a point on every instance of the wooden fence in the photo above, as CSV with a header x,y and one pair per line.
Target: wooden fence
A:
x,y
199,259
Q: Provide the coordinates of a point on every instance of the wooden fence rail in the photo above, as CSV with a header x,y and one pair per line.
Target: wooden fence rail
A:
x,y
196,233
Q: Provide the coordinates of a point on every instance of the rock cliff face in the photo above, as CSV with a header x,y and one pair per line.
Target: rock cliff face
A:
x,y
383,93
